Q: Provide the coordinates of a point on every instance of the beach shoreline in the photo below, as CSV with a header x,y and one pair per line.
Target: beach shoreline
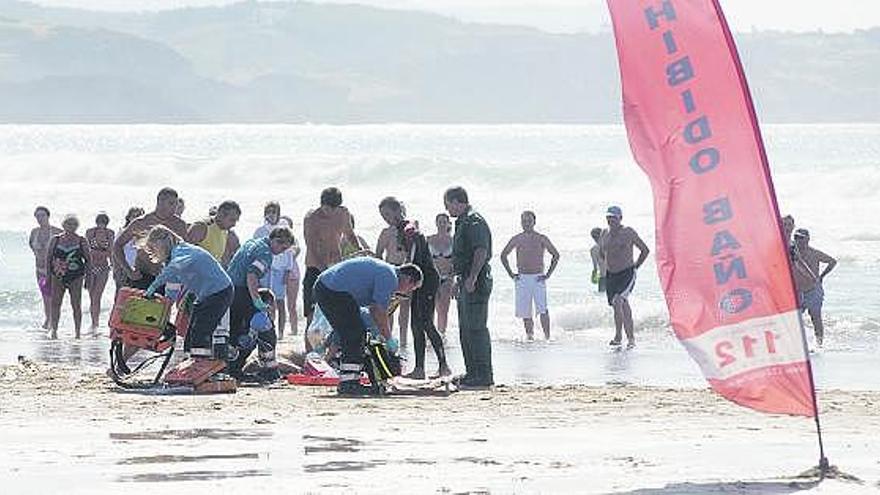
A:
x,y
70,428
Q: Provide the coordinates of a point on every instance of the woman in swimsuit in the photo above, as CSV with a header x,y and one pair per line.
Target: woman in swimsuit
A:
x,y
100,240
130,248
441,250
68,256
39,242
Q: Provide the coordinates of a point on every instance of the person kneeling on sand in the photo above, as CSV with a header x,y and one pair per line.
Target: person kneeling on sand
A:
x,y
343,289
261,337
201,274
251,262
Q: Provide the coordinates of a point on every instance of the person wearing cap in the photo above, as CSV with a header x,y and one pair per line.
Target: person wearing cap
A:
x,y
471,251
808,279
616,248
530,278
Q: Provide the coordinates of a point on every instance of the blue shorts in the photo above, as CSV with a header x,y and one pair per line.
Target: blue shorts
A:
x,y
812,299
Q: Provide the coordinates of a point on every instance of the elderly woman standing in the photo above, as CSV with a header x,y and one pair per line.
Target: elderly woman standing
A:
x,y
67,259
100,241
39,243
199,273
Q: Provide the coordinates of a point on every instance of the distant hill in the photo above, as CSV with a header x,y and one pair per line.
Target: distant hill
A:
x,y
302,62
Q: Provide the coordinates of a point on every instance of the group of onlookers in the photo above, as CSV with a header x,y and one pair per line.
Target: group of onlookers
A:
x,y
153,246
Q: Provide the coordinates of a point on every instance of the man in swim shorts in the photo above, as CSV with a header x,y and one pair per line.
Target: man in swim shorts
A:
x,y
616,248
808,279
324,228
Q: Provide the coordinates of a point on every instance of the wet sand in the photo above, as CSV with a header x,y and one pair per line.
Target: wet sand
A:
x,y
67,429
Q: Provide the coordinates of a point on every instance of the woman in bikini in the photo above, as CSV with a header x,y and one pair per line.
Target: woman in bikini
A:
x,y
440,245
68,256
39,242
100,240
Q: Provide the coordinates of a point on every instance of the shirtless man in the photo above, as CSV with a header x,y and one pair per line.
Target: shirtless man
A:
x,y
530,277
323,230
808,279
616,248
145,270
39,243
388,247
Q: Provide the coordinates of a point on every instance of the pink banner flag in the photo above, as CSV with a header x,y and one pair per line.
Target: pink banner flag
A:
x,y
721,257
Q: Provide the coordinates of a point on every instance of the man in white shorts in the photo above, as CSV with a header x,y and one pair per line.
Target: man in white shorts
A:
x,y
530,277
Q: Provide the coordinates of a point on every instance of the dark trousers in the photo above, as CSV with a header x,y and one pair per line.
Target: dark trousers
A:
x,y
476,346
308,291
422,311
206,316
240,315
344,315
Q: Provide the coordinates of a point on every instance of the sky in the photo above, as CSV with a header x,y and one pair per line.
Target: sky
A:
x,y
580,15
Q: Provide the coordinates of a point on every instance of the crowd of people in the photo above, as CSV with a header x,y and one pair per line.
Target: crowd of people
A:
x,y
256,283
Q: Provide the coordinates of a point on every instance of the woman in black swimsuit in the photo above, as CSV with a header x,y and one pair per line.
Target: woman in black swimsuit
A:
x,y
100,240
68,256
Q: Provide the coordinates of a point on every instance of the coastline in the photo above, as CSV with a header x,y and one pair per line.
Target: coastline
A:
x,y
70,428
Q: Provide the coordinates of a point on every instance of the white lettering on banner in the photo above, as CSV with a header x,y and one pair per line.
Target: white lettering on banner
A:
x,y
727,351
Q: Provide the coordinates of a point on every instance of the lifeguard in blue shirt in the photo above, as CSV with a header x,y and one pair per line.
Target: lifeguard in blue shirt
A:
x,y
250,263
199,273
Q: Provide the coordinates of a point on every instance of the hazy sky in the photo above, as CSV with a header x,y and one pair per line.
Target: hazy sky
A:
x,y
574,15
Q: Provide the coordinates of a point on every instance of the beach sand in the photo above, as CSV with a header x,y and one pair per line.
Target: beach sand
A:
x,y
67,429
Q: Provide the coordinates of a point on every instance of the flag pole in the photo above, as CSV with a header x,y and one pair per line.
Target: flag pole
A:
x,y
750,104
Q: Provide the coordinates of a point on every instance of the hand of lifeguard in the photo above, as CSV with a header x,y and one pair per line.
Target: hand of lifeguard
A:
x,y
259,304
392,345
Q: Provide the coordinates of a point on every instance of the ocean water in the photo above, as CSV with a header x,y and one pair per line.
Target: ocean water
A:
x,y
827,176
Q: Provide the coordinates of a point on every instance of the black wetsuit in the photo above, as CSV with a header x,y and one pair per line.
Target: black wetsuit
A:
x,y
424,298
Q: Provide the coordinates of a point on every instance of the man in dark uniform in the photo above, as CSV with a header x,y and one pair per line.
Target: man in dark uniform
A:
x,y
471,251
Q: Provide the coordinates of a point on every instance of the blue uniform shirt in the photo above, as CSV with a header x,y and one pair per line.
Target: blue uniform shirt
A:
x,y
368,280
196,269
254,256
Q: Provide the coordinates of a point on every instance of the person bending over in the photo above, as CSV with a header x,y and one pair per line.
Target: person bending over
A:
x,y
343,289
199,272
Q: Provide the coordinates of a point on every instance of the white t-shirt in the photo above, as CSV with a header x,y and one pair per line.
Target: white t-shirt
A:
x,y
281,263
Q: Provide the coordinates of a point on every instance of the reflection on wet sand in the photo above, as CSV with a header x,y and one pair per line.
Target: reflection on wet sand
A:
x,y
192,476
346,466
196,433
331,444
174,459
